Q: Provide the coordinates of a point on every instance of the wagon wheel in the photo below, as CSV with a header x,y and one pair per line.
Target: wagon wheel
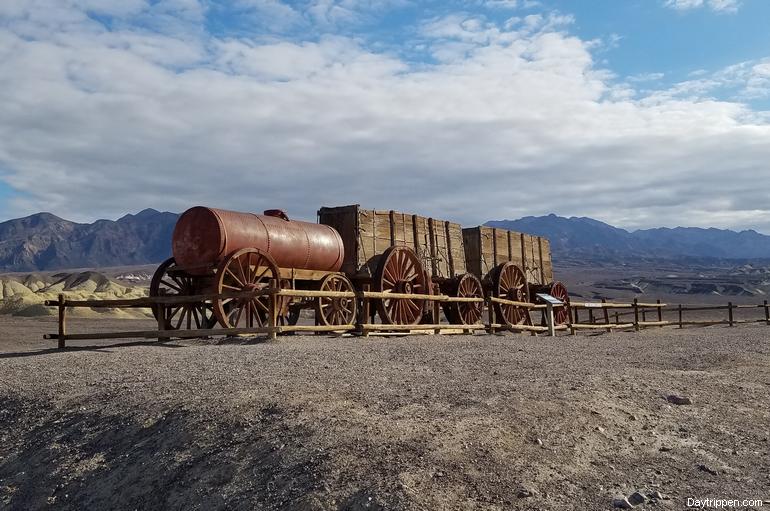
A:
x,y
169,280
509,283
558,291
400,271
336,311
248,269
466,285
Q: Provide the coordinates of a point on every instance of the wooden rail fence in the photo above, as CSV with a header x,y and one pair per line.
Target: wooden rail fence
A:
x,y
599,317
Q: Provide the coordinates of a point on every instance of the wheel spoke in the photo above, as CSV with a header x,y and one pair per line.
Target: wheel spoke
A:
x,y
172,286
195,315
228,270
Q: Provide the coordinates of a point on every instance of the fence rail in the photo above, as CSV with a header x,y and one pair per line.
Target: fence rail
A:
x,y
598,315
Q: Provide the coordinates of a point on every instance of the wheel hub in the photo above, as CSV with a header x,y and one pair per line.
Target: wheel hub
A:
x,y
403,286
514,294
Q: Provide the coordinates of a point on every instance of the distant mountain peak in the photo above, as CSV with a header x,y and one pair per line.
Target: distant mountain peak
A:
x,y
587,238
44,241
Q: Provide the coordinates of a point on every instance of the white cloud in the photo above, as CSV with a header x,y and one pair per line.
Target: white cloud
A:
x,y
714,5
646,77
512,121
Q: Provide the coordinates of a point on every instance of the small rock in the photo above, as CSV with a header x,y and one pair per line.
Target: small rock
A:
x,y
664,448
600,429
539,442
632,417
707,469
632,438
678,400
656,496
439,474
525,493
622,503
637,499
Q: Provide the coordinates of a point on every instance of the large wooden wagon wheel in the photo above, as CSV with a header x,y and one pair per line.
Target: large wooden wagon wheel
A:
x,y
558,291
509,283
248,269
336,310
169,280
400,271
466,285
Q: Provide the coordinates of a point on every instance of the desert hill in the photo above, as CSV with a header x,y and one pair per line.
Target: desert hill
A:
x,y
23,295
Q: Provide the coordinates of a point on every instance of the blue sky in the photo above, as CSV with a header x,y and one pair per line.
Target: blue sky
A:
x,y
629,111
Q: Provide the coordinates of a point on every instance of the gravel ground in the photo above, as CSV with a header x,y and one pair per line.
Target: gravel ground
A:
x,y
422,422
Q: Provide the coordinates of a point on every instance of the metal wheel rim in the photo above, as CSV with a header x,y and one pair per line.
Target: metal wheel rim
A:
x,y
336,311
198,315
400,270
510,283
241,272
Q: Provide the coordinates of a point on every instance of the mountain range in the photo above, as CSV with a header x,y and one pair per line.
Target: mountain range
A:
x,y
589,239
46,242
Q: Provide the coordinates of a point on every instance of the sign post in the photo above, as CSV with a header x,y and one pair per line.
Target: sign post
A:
x,y
550,301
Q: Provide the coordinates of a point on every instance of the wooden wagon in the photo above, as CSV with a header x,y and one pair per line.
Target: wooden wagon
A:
x,y
402,253
514,266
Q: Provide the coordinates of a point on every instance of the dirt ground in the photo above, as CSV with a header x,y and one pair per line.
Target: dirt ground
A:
x,y
423,422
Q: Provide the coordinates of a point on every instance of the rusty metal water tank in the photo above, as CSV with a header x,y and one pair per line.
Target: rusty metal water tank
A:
x,y
205,236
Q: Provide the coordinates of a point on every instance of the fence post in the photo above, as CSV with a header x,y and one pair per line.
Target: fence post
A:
x,y
730,313
606,312
577,316
161,312
636,314
644,314
680,315
660,312
365,312
767,313
591,316
273,309
549,319
436,314
617,318
62,322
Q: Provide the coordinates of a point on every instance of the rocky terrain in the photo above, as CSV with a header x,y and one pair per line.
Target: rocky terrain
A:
x,y
423,422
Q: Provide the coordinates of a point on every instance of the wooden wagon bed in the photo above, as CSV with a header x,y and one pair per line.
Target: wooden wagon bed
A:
x,y
367,233
486,247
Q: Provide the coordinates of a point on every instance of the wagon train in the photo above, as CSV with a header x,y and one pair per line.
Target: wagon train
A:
x,y
350,249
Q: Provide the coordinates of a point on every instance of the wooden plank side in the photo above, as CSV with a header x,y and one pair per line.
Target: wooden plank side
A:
x,y
344,220
547,262
516,252
502,246
382,231
487,250
455,232
532,269
441,248
367,246
472,246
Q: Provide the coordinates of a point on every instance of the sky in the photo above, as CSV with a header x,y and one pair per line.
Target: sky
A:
x,y
639,113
